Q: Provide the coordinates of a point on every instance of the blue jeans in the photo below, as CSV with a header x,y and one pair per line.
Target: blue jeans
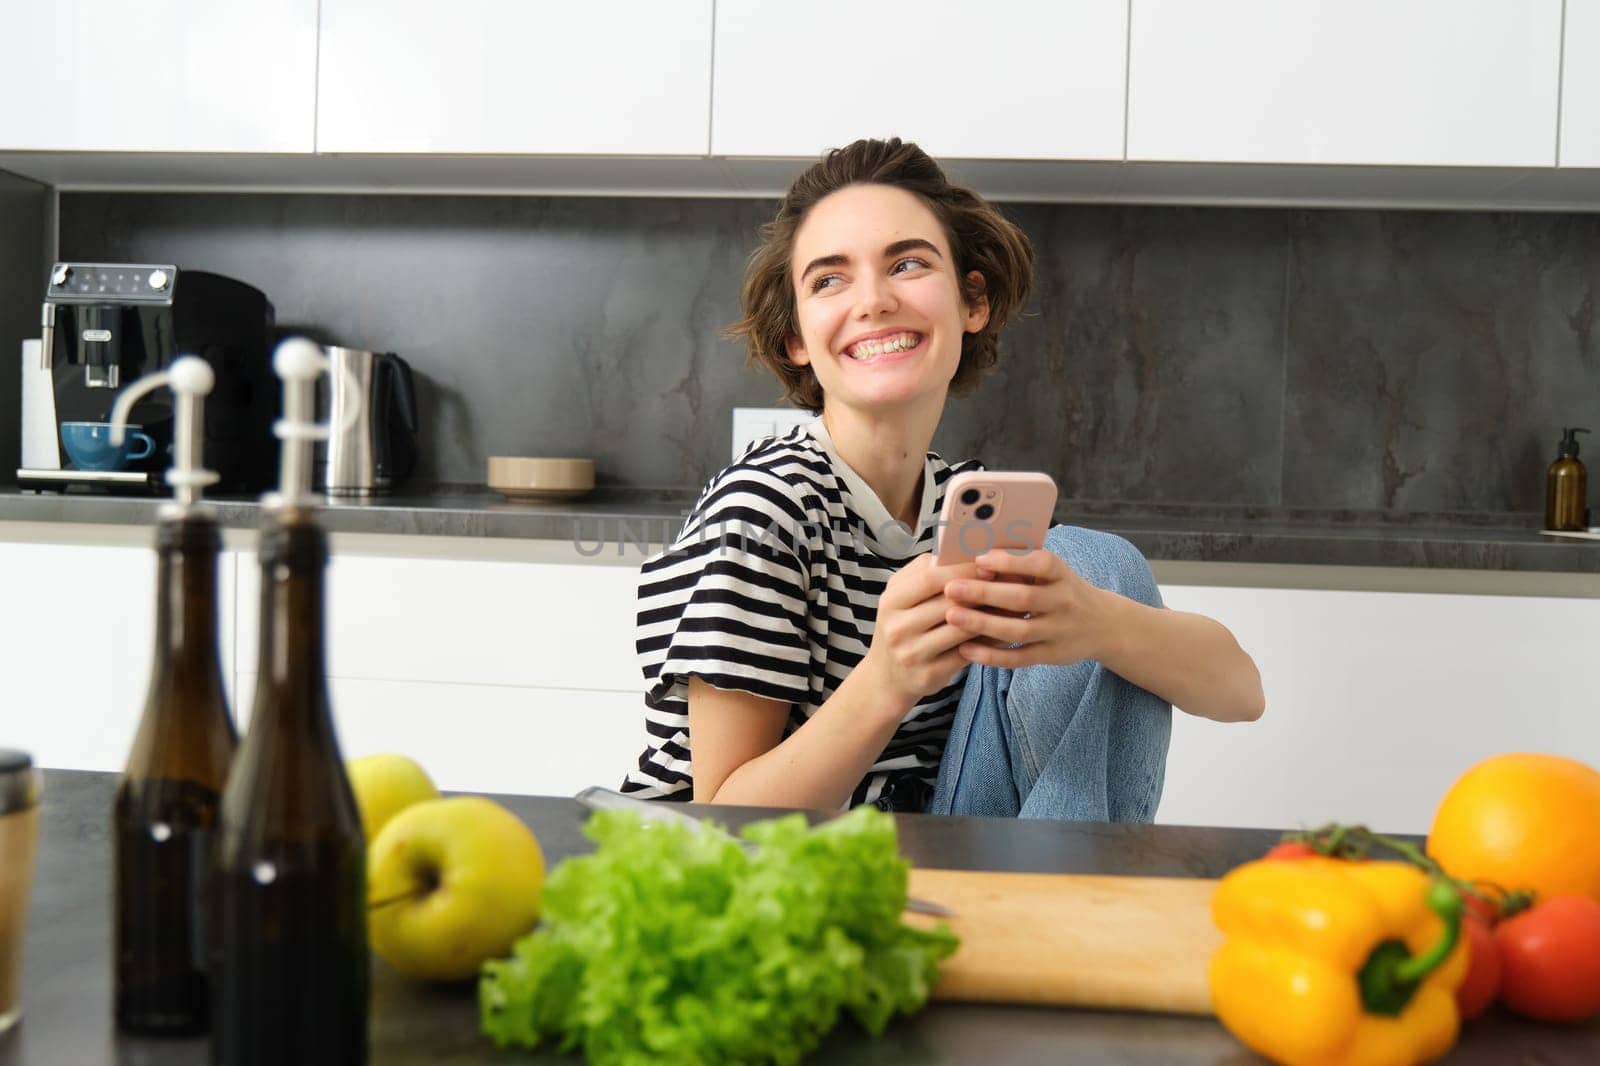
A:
x,y
1073,742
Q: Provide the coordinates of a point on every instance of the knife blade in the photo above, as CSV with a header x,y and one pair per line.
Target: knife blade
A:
x,y
597,798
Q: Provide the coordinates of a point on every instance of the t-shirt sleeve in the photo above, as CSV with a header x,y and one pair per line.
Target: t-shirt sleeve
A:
x,y
726,602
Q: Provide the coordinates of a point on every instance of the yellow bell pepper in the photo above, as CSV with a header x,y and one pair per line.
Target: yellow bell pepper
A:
x,y
1334,963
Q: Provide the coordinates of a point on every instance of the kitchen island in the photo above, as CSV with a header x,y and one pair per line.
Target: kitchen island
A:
x,y
67,976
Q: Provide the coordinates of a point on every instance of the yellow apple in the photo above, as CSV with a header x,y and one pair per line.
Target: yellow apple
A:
x,y
384,786
452,882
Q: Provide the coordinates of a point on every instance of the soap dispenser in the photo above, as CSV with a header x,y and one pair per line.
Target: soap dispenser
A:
x,y
1566,487
169,798
292,982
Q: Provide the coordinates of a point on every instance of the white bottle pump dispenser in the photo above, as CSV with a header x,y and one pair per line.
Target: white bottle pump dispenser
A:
x,y
298,362
191,380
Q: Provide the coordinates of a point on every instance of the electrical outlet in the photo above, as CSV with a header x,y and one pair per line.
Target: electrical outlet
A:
x,y
751,424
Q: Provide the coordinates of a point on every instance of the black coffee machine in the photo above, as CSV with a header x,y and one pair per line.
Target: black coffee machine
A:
x,y
105,325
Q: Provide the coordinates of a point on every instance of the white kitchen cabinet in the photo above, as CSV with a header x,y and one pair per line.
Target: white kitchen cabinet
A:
x,y
175,76
485,77
521,677
491,738
497,676
1018,79
452,621
1408,82
1580,85
1377,701
78,631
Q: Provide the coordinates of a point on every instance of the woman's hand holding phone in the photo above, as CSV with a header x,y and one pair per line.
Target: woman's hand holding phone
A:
x,y
915,650
1028,609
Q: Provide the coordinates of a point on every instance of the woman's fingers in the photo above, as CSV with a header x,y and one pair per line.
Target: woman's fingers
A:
x,y
948,665
975,651
941,669
920,580
936,641
1040,565
1004,629
914,621
1004,595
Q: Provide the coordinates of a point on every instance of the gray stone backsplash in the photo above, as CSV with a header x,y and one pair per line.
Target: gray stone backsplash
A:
x,y
1366,360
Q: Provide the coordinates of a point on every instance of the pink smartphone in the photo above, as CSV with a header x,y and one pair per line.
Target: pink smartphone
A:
x,y
986,509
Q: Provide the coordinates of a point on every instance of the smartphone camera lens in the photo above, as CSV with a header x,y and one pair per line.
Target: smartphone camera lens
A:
x,y
969,497
985,512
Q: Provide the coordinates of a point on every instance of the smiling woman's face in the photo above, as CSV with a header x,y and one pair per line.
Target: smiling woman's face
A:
x,y
877,300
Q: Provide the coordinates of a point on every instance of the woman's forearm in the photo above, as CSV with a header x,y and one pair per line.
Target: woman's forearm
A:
x,y
1192,662
820,764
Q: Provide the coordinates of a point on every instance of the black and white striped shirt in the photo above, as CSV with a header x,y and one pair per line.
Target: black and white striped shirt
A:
x,y
772,588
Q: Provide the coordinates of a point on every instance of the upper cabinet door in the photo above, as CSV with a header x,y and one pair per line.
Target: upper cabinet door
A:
x,y
1580,90
176,76
1423,82
1009,79
596,77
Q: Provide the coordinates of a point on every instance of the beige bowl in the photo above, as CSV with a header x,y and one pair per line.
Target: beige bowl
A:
x,y
527,478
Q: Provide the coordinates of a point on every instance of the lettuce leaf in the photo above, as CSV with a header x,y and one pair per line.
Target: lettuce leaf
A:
x,y
674,944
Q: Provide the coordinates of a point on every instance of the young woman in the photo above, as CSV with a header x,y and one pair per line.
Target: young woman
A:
x,y
800,646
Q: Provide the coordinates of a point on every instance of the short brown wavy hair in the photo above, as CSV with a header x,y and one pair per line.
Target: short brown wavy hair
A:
x,y
980,237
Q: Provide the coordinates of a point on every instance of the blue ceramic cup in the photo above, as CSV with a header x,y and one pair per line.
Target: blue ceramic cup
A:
x,y
89,445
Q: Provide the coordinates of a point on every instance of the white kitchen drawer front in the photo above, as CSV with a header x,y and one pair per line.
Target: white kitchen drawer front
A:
x,y
601,77
478,622
79,630
1014,79
1580,90
1420,82
1377,701
175,76
487,738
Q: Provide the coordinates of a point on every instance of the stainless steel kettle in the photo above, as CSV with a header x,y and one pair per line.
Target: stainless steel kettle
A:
x,y
379,450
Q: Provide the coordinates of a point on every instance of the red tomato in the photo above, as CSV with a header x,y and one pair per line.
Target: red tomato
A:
x,y
1478,990
1550,959
1290,849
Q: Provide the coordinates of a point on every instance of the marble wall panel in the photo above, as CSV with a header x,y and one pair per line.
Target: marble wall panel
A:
x,y
537,326
1149,366
1433,357
1408,361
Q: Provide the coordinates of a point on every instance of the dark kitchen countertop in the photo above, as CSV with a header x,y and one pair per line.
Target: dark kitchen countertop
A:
x,y
67,975
630,517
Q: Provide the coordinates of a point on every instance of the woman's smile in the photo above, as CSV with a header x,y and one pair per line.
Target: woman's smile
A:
x,y
885,345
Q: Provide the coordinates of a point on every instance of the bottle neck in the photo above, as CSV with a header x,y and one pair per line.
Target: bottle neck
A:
x,y
186,600
292,666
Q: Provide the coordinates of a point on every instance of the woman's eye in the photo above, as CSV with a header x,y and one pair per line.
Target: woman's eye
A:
x,y
907,261
821,283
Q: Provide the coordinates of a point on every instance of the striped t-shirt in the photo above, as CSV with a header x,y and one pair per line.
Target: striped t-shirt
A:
x,y
772,588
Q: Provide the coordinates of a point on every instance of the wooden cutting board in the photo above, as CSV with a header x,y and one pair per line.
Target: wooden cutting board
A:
x,y
1137,943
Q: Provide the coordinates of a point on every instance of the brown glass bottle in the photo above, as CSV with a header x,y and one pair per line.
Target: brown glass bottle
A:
x,y
1566,486
292,969
170,795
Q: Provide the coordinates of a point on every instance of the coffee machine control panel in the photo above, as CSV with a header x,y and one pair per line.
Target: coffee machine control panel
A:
x,y
122,282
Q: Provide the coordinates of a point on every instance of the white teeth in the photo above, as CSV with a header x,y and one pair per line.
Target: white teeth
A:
x,y
899,342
